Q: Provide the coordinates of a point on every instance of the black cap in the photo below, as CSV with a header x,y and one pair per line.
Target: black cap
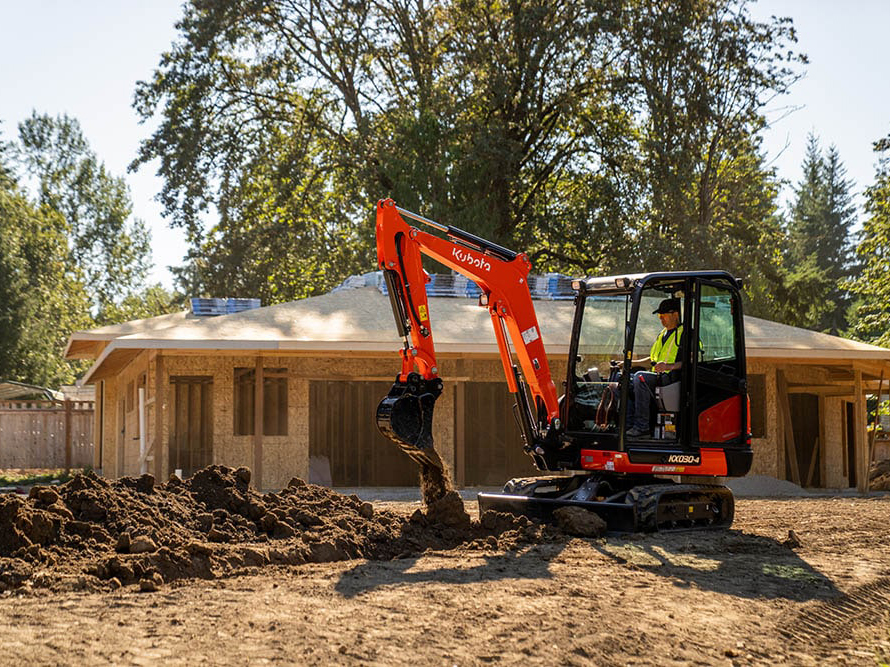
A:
x,y
668,306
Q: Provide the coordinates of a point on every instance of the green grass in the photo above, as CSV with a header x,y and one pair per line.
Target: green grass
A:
x,y
29,477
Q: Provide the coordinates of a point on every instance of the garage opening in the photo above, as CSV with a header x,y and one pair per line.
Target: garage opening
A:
x,y
492,444
805,420
345,447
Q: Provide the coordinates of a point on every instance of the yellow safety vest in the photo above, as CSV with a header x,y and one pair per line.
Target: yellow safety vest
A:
x,y
666,351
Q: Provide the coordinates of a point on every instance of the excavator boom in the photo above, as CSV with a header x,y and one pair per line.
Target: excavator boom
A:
x,y
406,414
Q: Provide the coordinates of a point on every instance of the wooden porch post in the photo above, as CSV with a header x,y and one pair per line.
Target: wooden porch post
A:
x,y
788,428
860,440
258,426
159,398
460,472
67,436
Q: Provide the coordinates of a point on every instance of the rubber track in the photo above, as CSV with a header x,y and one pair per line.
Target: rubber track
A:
x,y
646,499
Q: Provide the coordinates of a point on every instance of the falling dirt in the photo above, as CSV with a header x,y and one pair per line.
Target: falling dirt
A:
x,y
92,533
435,482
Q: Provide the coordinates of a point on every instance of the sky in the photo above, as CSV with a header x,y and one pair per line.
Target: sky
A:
x,y
84,58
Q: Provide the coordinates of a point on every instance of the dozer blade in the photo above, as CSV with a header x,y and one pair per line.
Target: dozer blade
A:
x,y
619,517
405,416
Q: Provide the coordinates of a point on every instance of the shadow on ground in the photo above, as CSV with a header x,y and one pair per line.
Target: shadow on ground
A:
x,y
726,561
530,563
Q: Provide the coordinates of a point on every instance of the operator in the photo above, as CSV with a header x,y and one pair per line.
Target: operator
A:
x,y
663,357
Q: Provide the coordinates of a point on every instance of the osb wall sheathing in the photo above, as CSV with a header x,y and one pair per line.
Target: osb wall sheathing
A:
x,y
287,456
834,466
108,461
767,459
120,453
284,457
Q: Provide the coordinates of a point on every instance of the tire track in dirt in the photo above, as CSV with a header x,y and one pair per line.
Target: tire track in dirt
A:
x,y
822,626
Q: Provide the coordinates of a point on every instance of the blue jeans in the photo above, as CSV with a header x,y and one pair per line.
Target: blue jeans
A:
x,y
642,388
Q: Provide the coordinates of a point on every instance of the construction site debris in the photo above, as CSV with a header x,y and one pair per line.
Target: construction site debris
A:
x,y
879,476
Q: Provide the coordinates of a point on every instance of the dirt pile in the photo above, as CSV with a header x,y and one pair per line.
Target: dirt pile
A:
x,y
879,476
93,533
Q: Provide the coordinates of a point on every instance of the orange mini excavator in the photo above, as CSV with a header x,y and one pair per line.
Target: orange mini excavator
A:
x,y
664,478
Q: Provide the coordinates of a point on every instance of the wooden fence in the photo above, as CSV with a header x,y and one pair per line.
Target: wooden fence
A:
x,y
46,434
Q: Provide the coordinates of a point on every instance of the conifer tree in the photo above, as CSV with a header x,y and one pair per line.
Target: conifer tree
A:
x,y
872,316
819,254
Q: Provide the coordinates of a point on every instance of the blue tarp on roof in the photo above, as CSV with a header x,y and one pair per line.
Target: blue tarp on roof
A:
x,y
550,286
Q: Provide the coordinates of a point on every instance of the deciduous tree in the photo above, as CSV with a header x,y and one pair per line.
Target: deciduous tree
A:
x,y
597,135
108,245
42,298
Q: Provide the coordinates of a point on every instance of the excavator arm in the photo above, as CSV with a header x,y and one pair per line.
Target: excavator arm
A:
x,y
406,414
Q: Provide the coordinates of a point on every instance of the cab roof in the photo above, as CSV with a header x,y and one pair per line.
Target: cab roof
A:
x,y
628,282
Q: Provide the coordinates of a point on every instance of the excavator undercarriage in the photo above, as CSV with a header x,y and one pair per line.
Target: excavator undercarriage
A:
x,y
626,504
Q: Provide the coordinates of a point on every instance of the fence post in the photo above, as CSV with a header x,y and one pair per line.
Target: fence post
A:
x,y
67,436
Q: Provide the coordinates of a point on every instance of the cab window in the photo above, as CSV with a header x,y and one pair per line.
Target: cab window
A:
x,y
716,330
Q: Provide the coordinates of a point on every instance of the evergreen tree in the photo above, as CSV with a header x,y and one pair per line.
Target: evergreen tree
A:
x,y
819,253
872,285
840,249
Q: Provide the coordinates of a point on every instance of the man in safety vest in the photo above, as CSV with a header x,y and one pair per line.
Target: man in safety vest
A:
x,y
663,357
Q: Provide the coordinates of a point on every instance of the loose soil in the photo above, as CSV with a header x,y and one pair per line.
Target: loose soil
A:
x,y
94,534
208,570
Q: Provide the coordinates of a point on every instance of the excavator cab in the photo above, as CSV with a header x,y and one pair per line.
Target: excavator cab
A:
x,y
700,406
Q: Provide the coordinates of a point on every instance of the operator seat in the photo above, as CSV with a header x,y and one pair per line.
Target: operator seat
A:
x,y
668,397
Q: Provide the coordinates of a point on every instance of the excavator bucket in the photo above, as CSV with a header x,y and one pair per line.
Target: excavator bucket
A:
x,y
405,416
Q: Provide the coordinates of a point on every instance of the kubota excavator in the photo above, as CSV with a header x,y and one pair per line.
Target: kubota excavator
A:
x,y
665,478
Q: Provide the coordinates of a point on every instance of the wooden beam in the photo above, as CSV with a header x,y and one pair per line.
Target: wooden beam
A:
x,y
785,408
874,428
871,368
840,374
258,425
846,388
812,469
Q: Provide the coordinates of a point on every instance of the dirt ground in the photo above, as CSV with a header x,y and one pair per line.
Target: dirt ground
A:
x,y
213,573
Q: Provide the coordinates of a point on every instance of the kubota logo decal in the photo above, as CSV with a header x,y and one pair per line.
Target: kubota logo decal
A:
x,y
467,258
